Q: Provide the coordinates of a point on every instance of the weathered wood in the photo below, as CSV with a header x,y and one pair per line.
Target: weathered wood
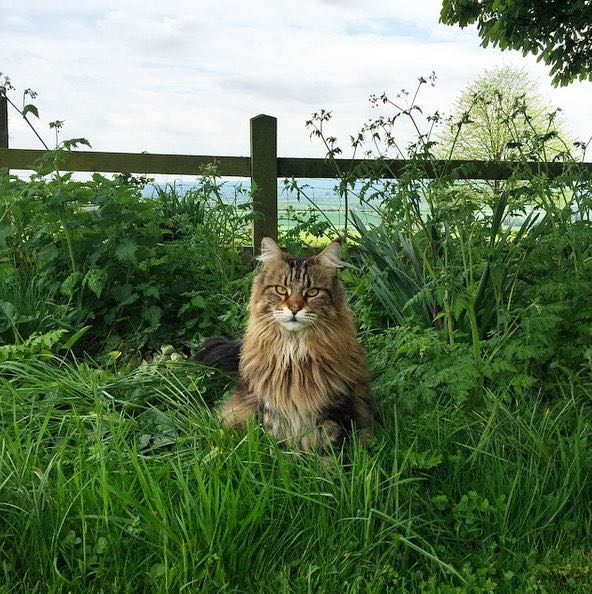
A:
x,y
395,168
286,166
129,162
3,123
264,174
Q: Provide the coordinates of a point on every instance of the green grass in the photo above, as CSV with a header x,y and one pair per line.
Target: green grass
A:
x,y
125,482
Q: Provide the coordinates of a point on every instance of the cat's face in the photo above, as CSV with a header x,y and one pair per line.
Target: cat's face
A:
x,y
298,293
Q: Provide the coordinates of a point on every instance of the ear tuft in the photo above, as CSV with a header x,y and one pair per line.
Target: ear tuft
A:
x,y
270,250
330,256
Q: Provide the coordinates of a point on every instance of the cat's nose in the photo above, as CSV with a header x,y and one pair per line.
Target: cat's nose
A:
x,y
295,306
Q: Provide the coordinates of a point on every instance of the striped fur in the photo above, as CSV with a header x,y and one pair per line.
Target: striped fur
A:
x,y
302,370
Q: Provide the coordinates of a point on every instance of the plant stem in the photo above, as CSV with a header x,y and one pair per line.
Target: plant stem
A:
x,y
28,122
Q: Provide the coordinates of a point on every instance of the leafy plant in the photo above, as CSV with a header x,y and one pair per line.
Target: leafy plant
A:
x,y
456,260
557,32
118,268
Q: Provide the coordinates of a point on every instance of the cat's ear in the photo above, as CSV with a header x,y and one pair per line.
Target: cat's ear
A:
x,y
270,250
331,255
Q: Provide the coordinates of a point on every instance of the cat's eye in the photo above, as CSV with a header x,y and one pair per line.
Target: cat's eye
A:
x,y
281,290
311,292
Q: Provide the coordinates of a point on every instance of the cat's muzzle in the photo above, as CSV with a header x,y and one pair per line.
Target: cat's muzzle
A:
x,y
293,321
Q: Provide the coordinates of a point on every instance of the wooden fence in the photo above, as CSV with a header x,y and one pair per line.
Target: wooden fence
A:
x,y
263,166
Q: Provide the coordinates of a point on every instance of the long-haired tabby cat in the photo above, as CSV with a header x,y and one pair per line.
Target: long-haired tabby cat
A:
x,y
302,371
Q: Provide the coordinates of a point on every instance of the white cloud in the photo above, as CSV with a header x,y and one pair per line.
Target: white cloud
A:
x,y
185,77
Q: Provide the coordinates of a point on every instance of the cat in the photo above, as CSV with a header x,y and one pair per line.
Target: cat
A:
x,y
302,372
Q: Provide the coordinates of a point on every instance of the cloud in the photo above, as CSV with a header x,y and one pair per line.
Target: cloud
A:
x,y
183,77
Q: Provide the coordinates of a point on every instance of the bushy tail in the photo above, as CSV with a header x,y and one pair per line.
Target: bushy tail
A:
x,y
220,352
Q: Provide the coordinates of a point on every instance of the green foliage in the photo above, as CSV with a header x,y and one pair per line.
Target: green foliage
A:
x,y
34,346
557,31
114,480
476,315
413,367
482,287
28,306
302,226
138,270
495,267
501,116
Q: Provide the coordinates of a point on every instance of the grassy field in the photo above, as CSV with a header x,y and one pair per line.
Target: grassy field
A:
x,y
115,482
116,476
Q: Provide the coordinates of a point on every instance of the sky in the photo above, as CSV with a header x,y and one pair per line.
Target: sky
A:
x,y
186,76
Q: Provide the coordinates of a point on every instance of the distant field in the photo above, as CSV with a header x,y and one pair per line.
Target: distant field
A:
x,y
320,192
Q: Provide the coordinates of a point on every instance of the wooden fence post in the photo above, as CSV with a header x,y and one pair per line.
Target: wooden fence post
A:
x,y
3,122
264,173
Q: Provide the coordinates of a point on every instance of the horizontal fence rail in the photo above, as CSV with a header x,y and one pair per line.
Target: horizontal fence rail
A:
x,y
128,162
297,167
395,168
264,167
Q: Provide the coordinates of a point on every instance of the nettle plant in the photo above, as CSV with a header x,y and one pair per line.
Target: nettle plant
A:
x,y
464,257
137,275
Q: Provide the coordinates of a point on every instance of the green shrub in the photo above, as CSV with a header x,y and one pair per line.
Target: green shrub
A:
x,y
501,267
412,366
140,271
